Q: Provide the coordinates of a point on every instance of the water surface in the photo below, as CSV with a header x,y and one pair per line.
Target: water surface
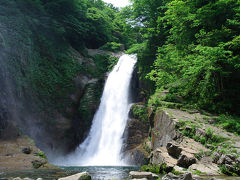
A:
x,y
97,172
105,172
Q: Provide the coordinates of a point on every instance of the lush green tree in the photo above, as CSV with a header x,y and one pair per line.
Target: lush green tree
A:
x,y
195,49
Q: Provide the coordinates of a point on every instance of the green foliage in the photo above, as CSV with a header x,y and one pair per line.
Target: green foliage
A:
x,y
200,155
192,48
136,48
176,172
112,46
88,105
146,147
112,61
230,123
140,112
197,172
188,128
104,63
155,99
39,43
158,169
151,168
230,172
53,80
41,154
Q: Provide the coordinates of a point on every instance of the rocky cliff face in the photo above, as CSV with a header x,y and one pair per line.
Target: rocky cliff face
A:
x,y
54,132
136,134
181,140
136,144
48,89
164,129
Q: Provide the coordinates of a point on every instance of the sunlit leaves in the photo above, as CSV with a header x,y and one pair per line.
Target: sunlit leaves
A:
x,y
198,47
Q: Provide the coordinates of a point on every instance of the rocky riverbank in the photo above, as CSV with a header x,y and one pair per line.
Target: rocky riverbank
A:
x,y
186,141
21,153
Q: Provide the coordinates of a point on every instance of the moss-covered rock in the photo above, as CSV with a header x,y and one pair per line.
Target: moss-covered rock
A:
x,y
139,111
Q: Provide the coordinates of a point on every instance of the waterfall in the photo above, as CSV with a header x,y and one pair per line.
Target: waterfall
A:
x,y
103,145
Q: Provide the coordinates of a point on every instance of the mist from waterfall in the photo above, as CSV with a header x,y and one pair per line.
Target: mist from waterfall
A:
x,y
103,145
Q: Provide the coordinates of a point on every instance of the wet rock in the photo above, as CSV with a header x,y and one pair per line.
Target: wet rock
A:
x,y
136,157
186,160
141,175
27,150
79,176
135,133
174,149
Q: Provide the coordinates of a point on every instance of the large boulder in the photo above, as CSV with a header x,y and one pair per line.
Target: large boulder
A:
x,y
186,160
174,149
141,175
160,156
170,176
79,176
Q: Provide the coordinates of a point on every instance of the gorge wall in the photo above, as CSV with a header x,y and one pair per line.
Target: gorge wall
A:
x,y
49,90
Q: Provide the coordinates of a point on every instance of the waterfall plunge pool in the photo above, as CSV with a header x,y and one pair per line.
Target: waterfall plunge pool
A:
x,y
105,172
97,172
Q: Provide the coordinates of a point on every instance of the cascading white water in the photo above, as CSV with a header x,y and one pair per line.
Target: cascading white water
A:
x,y
103,145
